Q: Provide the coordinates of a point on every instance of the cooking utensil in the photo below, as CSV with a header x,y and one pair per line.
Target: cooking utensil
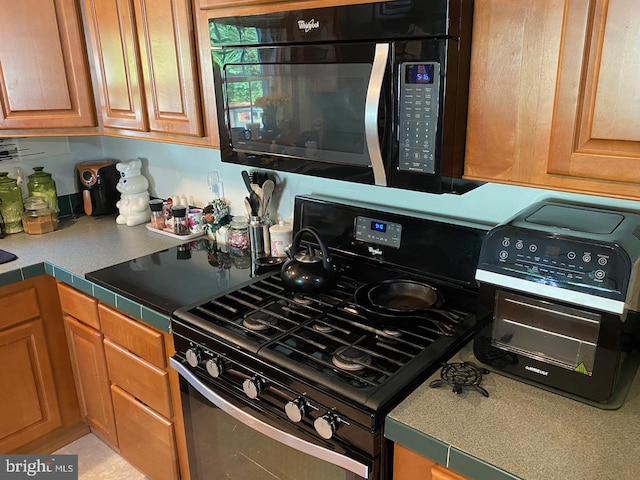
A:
x,y
407,297
258,191
305,271
247,206
247,180
254,202
267,192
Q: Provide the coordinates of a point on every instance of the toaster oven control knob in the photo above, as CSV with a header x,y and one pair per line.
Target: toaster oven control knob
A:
x,y
253,387
215,366
326,425
194,357
296,409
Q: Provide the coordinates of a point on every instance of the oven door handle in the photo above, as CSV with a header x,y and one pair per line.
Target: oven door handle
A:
x,y
372,103
268,430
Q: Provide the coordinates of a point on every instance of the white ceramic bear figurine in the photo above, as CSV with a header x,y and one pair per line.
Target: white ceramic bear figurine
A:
x,y
134,198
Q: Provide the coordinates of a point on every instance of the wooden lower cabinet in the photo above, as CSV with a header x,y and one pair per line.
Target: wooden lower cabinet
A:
x,y
125,386
92,380
38,407
409,465
147,439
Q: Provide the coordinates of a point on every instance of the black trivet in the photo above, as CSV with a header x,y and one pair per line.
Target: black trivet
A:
x,y
460,375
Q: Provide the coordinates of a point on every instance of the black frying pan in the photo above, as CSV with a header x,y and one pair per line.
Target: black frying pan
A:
x,y
396,317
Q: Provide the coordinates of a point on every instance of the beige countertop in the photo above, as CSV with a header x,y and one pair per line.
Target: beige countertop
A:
x,y
521,429
84,244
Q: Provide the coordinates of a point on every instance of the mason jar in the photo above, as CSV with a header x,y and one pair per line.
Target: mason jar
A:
x,y
11,207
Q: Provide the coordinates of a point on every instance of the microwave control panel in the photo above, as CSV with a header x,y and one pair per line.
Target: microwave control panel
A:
x,y
419,90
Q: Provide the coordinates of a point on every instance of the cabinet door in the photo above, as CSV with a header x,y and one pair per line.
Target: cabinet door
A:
x,y
44,74
554,95
117,63
28,405
169,67
92,380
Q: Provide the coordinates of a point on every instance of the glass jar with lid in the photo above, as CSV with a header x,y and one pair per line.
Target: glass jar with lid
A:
x,y
38,217
11,207
238,237
41,184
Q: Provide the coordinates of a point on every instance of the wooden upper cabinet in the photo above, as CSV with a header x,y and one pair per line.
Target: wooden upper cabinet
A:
x,y
249,7
44,73
554,95
146,67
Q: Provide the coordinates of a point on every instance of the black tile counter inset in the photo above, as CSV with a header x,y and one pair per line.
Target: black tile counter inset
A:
x,y
174,277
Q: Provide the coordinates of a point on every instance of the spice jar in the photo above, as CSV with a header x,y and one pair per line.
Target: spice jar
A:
x,y
41,184
38,217
179,213
157,215
238,237
11,207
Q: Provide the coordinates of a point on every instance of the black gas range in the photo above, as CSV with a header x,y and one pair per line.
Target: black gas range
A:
x,y
319,368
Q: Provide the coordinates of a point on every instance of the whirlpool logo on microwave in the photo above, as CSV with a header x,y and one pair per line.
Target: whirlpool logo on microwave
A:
x,y
312,24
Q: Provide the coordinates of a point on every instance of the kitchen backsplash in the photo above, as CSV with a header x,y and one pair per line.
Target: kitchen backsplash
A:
x,y
176,169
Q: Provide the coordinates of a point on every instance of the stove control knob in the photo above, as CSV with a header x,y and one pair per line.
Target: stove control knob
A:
x,y
326,425
194,357
215,366
253,387
296,409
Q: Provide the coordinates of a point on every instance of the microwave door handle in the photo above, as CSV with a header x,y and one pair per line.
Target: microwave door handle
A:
x,y
372,103
268,430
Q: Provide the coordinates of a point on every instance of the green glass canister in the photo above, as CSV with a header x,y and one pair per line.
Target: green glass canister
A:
x,y
11,206
41,184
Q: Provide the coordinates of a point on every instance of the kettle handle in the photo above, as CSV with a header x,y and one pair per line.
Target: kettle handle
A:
x,y
326,258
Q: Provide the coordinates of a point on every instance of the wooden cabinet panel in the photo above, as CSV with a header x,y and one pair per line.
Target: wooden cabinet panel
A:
x,y
44,74
29,406
146,67
18,307
146,438
78,305
147,383
409,465
92,380
250,7
115,47
132,335
554,97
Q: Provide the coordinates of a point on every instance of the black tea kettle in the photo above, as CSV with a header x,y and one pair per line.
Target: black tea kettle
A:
x,y
305,271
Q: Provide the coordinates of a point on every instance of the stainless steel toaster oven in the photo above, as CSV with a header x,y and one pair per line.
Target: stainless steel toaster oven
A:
x,y
560,281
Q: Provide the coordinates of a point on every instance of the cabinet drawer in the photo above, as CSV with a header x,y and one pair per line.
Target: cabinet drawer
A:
x,y
146,438
135,337
144,381
18,307
78,305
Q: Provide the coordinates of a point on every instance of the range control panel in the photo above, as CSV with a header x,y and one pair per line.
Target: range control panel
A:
x,y
571,263
377,231
418,109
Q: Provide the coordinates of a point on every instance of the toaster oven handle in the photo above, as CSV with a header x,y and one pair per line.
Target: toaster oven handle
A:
x,y
268,430
372,104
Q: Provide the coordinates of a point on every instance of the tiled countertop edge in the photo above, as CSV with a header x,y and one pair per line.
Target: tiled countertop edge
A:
x,y
442,453
149,316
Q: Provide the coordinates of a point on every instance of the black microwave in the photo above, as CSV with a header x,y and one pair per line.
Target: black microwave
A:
x,y
373,93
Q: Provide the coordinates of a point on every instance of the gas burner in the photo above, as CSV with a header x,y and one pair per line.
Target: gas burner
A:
x,y
459,375
322,327
259,321
301,299
392,333
350,359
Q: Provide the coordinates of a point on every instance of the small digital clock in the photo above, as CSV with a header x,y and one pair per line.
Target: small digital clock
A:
x,y
378,226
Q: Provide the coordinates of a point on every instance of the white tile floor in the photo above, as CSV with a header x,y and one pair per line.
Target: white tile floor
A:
x,y
97,461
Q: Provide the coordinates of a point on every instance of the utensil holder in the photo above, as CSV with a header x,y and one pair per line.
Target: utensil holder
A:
x,y
256,237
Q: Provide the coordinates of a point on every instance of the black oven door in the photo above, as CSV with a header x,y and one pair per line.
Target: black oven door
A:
x,y
229,439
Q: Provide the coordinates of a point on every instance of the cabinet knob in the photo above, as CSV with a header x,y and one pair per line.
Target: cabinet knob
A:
x,y
194,357
326,425
296,409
